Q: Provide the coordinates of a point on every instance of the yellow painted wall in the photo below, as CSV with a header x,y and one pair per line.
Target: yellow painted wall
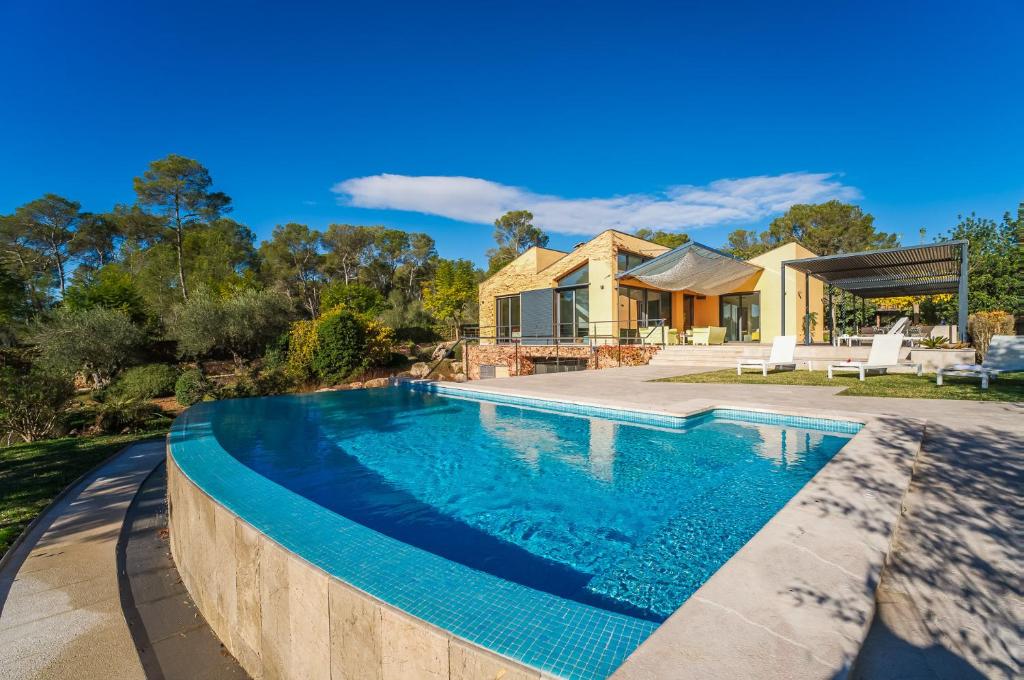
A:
x,y
768,285
705,312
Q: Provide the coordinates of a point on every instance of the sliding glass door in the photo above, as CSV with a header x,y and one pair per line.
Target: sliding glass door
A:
x,y
741,316
572,306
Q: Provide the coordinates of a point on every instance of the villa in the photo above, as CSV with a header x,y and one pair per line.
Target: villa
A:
x,y
558,308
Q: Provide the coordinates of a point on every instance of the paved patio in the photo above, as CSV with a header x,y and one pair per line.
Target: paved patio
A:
x,y
950,604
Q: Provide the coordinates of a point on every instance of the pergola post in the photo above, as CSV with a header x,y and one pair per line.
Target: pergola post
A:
x,y
807,309
831,325
782,298
962,295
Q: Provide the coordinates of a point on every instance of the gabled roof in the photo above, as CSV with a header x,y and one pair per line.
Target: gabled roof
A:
x,y
693,266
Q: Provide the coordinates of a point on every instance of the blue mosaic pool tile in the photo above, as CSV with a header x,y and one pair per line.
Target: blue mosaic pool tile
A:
x,y
558,636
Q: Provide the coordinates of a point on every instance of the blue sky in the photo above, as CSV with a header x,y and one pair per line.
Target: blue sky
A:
x,y
701,116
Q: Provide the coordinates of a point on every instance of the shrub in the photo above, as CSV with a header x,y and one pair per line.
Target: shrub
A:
x,y
124,414
355,297
191,387
301,347
147,382
983,325
31,404
97,342
340,346
935,342
242,325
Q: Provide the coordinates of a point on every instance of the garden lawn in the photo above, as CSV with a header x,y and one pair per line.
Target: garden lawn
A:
x,y
31,475
1007,387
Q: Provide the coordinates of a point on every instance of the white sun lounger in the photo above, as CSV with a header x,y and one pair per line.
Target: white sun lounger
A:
x,y
783,347
1005,353
885,354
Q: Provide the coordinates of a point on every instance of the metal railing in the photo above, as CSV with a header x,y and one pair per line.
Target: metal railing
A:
x,y
611,333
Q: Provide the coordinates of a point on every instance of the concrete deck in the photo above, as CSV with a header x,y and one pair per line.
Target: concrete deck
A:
x,y
950,602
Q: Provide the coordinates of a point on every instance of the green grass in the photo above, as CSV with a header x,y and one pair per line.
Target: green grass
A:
x,y
31,475
1008,387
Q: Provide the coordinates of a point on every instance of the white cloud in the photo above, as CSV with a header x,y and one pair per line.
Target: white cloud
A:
x,y
470,199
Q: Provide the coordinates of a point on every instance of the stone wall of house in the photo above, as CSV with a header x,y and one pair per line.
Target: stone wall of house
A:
x,y
542,268
520,359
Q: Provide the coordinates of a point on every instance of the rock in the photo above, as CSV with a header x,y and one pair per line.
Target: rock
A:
x,y
377,382
419,369
333,388
456,367
355,385
460,377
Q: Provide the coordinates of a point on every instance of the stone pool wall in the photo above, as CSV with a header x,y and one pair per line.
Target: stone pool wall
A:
x,y
282,617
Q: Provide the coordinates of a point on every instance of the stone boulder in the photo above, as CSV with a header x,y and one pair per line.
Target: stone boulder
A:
x,y
456,367
460,377
355,385
419,369
377,382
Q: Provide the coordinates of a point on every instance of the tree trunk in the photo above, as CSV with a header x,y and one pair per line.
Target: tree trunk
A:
x,y
179,248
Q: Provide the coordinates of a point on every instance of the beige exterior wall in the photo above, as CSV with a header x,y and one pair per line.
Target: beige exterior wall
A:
x,y
769,286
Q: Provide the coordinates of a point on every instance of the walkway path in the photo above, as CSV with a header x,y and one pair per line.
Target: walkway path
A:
x,y
950,604
62,603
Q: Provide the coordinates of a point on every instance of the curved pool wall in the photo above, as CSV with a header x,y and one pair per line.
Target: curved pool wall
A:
x,y
350,602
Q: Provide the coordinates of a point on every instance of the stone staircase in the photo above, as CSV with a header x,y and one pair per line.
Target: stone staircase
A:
x,y
725,356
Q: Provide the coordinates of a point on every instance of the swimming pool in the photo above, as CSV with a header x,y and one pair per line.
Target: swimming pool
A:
x,y
578,523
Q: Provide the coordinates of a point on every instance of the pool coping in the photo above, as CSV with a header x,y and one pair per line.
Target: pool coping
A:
x,y
673,639
797,600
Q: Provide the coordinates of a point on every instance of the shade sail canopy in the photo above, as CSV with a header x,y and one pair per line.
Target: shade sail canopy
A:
x,y
695,267
917,270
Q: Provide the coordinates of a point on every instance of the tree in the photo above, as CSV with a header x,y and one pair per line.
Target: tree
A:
x,y
47,226
98,342
662,238
242,324
347,250
95,239
825,228
452,290
995,261
293,261
417,263
109,287
515,234
31,404
176,190
388,251
355,297
13,307
340,347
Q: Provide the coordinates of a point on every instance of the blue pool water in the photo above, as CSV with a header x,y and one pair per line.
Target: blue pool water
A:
x,y
626,517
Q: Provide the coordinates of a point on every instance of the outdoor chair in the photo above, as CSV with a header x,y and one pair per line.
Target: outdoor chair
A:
x,y
1005,354
783,348
896,329
709,335
885,354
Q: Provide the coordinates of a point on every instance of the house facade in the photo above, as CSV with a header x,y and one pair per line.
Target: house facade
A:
x,y
618,290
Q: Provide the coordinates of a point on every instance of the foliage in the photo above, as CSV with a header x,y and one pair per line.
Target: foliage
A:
x,y
825,228
46,227
380,340
340,350
32,474
109,287
176,192
191,387
241,324
1009,386
14,307
98,342
302,341
514,234
292,259
355,297
121,413
146,382
663,238
936,342
983,325
31,404
995,260
452,290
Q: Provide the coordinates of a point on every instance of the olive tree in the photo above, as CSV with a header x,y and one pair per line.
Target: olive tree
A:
x,y
98,342
242,324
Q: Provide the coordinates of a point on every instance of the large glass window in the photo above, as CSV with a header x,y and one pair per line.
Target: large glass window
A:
x,y
741,316
642,307
573,309
580,277
627,261
508,318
